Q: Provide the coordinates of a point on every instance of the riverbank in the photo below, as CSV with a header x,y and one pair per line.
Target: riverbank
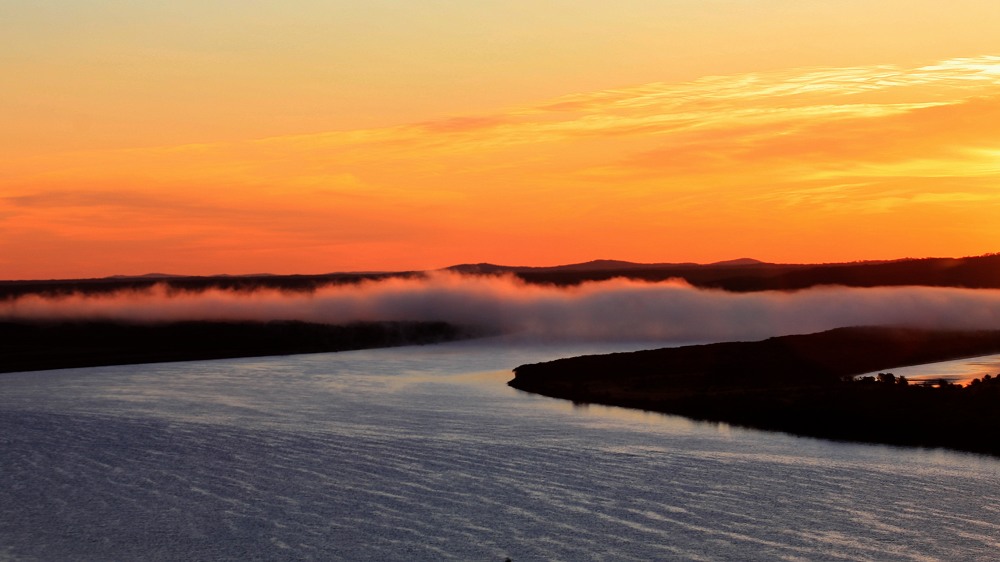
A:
x,y
34,346
799,384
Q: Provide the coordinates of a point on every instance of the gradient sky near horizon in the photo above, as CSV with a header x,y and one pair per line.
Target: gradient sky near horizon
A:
x,y
309,136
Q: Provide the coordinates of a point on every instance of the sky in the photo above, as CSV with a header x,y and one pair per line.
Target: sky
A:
x,y
307,136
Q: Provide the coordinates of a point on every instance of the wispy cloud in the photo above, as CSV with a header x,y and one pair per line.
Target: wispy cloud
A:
x,y
621,164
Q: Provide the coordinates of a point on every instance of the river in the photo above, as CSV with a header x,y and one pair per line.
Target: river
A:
x,y
423,453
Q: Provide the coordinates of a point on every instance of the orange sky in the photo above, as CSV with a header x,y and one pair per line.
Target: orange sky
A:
x,y
308,137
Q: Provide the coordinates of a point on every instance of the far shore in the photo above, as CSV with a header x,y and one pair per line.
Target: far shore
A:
x,y
36,346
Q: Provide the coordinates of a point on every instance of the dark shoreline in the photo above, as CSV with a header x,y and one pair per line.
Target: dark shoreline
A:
x,y
796,384
36,346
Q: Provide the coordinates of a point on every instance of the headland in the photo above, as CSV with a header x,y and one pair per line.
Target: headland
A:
x,y
799,384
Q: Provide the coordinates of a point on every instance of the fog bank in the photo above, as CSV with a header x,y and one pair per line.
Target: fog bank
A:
x,y
618,309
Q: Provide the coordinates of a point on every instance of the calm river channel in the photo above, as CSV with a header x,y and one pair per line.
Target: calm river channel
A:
x,y
423,453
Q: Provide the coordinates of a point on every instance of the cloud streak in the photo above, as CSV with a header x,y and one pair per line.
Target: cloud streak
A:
x,y
730,164
618,309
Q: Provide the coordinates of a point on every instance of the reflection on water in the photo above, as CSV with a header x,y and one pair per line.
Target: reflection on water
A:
x,y
959,371
424,453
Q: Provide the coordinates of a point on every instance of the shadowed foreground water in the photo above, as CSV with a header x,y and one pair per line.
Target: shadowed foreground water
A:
x,y
423,453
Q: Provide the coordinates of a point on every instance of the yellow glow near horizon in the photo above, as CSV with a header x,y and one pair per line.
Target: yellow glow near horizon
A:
x,y
795,163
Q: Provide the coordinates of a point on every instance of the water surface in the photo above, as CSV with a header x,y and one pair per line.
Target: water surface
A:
x,y
958,371
424,453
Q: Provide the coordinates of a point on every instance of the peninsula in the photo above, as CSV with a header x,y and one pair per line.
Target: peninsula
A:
x,y
799,384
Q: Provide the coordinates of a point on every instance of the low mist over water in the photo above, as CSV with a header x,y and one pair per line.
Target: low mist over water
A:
x,y
617,309
423,453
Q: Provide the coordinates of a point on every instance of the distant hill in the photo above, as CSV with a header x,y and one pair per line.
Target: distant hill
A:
x,y
593,265
746,274
738,275
739,261
145,276
484,268
300,283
